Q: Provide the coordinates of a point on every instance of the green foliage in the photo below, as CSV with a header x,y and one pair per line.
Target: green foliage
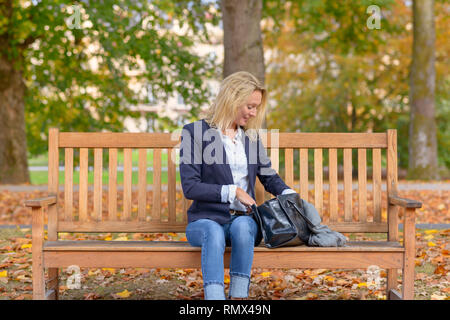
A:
x,y
81,79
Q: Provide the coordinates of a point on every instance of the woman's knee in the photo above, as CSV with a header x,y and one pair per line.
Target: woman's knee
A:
x,y
205,230
244,228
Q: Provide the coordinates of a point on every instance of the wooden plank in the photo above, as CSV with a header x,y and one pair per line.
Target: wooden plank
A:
x,y
156,203
259,192
318,181
405,203
117,140
53,180
171,184
165,140
409,241
275,159
376,178
192,259
41,202
179,246
121,226
304,174
289,167
309,140
392,183
37,236
154,226
98,172
333,180
83,187
392,210
348,185
112,188
142,193
362,185
68,184
127,183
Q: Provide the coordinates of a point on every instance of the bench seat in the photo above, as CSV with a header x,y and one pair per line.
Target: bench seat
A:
x,y
178,254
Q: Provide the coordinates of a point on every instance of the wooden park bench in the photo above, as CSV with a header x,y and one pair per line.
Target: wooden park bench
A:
x,y
368,216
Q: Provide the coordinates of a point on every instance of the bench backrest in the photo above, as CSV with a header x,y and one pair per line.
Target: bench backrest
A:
x,y
119,209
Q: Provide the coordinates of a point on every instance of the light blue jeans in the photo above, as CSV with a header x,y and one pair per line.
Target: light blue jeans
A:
x,y
212,237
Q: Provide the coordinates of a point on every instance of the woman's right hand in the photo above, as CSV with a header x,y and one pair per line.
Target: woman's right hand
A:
x,y
245,198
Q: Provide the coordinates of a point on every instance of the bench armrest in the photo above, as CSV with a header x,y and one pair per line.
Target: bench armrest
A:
x,y
405,203
41,202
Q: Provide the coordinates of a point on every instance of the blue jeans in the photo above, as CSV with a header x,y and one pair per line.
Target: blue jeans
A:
x,y
212,237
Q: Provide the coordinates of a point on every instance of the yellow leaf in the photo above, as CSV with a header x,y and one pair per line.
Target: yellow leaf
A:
x,y
428,237
93,273
329,279
226,279
362,284
121,239
430,231
3,274
25,246
172,234
112,270
124,294
109,238
431,244
266,274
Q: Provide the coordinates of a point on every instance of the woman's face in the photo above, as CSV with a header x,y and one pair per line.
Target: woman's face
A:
x,y
248,109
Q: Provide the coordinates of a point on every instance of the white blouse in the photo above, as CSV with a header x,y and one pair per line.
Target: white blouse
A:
x,y
237,159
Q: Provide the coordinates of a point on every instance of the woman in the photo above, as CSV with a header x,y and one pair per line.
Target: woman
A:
x,y
219,163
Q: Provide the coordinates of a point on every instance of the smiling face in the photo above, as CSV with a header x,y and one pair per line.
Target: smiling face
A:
x,y
249,109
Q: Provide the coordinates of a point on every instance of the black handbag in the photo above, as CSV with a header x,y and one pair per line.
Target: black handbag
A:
x,y
282,221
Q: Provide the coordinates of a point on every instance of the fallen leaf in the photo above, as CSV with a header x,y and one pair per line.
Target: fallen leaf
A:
x,y
124,294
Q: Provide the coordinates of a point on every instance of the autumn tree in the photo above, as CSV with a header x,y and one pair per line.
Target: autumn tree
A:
x,y
423,162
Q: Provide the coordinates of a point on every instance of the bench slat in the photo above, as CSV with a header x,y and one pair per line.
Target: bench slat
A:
x,y
376,156
127,181
83,187
304,184
68,184
318,181
348,185
112,191
99,245
156,226
362,185
171,184
156,203
289,167
142,181
333,180
98,171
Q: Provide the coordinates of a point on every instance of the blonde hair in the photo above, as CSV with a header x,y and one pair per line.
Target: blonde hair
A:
x,y
233,93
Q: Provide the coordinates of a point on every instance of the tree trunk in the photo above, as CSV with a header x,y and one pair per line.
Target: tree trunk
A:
x,y
423,162
13,145
243,46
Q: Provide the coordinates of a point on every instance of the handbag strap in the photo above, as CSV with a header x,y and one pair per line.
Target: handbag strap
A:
x,y
302,214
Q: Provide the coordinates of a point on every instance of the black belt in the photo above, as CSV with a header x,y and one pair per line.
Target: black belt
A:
x,y
238,213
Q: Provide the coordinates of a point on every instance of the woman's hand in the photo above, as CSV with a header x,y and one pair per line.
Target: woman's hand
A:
x,y
245,199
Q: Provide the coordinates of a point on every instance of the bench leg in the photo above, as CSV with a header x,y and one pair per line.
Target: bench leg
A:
x,y
392,275
37,257
53,284
409,235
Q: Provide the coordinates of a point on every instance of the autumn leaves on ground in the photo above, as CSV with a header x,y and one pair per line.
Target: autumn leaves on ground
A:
x,y
432,264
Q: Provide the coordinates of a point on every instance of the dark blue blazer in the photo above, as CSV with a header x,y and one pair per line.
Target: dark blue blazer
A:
x,y
202,182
